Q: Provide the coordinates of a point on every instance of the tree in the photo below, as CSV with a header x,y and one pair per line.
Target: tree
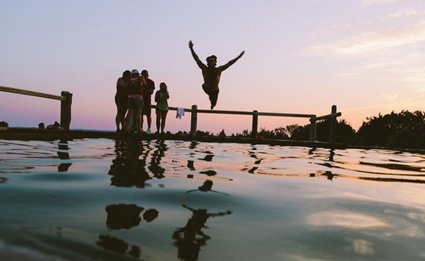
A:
x,y
403,130
343,132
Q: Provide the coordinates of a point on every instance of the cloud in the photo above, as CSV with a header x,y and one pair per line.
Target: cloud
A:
x,y
374,41
390,96
380,34
370,2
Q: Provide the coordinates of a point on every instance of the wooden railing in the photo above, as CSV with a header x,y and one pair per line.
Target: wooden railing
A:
x,y
255,114
65,98
66,101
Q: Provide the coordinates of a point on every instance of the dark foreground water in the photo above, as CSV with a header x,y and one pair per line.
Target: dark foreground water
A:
x,y
100,199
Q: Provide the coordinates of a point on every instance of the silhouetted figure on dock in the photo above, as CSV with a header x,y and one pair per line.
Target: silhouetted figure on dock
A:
x,y
211,74
121,99
148,90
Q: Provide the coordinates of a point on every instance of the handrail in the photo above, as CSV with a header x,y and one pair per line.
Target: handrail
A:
x,y
32,93
313,118
65,98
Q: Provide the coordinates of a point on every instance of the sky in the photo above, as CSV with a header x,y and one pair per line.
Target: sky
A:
x,y
364,56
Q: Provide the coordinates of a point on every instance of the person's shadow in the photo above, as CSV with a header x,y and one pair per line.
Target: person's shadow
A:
x,y
190,238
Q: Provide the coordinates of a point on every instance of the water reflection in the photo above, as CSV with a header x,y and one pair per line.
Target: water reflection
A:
x,y
63,155
157,155
123,216
190,238
118,245
127,168
207,186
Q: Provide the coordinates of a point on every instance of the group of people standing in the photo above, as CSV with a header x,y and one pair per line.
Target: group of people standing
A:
x,y
134,91
133,100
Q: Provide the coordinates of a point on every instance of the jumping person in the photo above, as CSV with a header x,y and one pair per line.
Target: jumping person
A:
x,y
211,74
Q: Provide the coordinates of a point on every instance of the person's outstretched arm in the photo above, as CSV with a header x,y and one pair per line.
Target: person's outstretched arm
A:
x,y
227,65
195,56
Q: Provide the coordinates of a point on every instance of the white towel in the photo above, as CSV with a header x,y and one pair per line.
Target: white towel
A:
x,y
180,112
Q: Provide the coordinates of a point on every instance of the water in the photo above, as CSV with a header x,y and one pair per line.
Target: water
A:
x,y
100,199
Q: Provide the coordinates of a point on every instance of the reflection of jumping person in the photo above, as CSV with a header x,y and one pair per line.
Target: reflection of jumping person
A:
x,y
211,74
190,238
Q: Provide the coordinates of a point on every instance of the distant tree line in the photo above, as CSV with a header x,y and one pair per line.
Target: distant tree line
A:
x,y
397,130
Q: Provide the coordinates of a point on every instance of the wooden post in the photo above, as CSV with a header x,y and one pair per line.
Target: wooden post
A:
x,y
254,131
66,110
194,120
332,125
313,125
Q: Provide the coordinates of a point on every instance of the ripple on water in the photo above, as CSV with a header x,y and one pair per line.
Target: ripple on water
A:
x,y
239,201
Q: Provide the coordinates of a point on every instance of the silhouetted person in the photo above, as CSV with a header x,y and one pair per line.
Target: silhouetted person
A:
x,y
211,74
161,99
121,99
147,94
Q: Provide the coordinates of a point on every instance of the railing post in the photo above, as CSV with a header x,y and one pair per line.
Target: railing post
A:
x,y
313,125
66,110
254,131
194,120
332,125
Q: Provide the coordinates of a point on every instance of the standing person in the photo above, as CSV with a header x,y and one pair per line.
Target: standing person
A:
x,y
135,100
211,74
121,99
147,93
161,97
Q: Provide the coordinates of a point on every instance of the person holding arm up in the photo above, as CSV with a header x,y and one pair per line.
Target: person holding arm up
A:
x,y
211,74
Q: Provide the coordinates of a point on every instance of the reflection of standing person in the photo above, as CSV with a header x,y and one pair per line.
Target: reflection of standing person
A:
x,y
121,99
147,93
161,99
211,74
135,100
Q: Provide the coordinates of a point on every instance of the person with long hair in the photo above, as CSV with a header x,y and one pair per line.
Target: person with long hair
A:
x,y
121,99
161,99
135,101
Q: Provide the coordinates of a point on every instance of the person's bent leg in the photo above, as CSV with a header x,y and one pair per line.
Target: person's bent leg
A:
x,y
213,99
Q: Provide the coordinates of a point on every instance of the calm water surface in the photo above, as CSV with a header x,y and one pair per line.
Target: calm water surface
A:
x,y
101,199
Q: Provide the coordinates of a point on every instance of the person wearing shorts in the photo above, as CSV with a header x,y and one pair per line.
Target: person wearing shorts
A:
x,y
135,100
148,90
121,99
161,98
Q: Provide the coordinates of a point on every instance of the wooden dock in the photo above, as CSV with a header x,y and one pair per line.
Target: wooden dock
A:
x,y
52,135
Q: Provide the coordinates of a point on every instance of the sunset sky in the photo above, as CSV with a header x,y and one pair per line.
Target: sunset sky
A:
x,y
365,56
